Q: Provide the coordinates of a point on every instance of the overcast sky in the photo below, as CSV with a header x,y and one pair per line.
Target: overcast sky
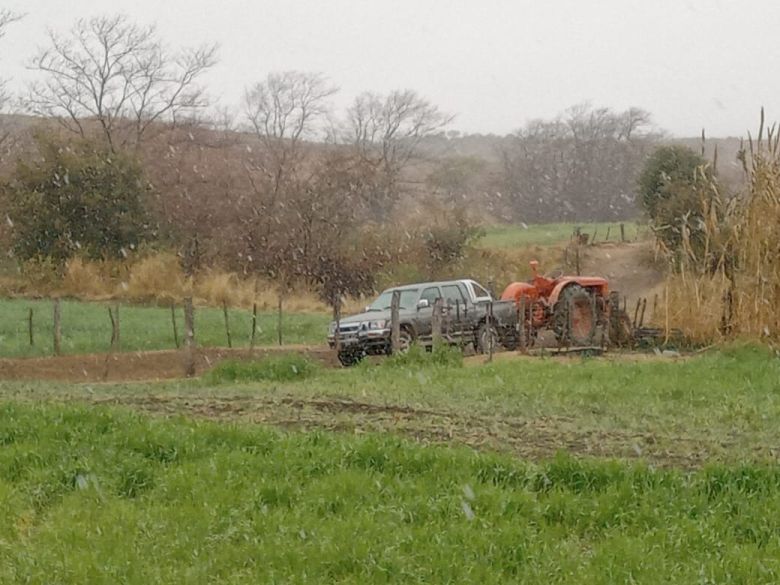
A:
x,y
493,63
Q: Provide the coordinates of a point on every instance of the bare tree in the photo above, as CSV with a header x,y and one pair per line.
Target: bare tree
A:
x,y
7,17
387,132
118,74
455,179
284,110
579,166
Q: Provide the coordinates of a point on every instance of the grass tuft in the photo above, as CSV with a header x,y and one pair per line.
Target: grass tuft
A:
x,y
417,356
274,369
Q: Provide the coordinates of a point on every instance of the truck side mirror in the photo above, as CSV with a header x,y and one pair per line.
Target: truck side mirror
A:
x,y
422,304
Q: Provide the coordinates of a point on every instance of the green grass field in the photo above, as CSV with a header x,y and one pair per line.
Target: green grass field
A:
x,y
424,470
513,236
86,327
666,474
103,496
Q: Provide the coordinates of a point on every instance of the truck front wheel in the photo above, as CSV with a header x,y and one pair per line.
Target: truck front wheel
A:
x,y
350,357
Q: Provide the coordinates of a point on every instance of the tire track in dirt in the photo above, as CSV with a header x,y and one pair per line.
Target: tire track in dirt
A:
x,y
528,438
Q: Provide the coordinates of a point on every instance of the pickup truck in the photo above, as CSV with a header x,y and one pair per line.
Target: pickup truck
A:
x,y
464,320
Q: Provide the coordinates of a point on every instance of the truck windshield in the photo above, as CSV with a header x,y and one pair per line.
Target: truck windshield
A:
x,y
408,297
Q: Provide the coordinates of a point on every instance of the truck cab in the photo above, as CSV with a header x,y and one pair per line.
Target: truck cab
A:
x,y
369,332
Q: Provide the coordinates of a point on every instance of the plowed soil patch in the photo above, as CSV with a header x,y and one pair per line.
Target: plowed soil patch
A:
x,y
137,366
536,438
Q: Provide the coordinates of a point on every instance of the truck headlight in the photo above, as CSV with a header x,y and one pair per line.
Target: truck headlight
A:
x,y
380,324
332,329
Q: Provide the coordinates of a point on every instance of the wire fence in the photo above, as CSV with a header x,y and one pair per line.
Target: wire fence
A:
x,y
45,327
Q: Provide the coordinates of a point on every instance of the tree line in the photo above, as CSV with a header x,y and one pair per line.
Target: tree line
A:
x,y
129,150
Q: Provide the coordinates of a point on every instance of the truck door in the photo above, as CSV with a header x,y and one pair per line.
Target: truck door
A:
x,y
455,319
424,315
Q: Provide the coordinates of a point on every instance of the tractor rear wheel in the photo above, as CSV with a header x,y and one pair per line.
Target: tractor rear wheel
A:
x,y
575,317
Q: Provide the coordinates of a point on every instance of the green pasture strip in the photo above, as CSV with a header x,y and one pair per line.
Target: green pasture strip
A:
x,y
86,327
515,236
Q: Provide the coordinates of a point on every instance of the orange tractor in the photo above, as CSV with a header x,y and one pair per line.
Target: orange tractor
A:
x,y
574,307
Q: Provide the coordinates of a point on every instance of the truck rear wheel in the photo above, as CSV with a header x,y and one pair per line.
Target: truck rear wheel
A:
x,y
484,334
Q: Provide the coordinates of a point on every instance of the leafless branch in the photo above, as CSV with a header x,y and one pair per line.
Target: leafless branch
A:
x,y
388,130
118,74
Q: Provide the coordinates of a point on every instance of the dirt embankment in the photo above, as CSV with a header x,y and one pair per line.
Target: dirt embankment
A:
x,y
630,268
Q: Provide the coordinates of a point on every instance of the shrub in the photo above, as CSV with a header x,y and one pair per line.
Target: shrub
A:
x,y
76,199
417,356
675,188
275,369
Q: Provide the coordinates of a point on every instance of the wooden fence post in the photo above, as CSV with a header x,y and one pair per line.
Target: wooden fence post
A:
x,y
30,326
622,233
173,321
254,326
279,320
114,318
189,337
577,258
337,319
636,313
459,329
613,330
490,325
436,323
606,239
114,345
118,328
395,323
655,306
521,323
227,323
57,328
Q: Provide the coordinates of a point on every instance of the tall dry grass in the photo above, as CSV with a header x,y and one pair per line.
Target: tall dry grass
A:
x,y
727,284
156,278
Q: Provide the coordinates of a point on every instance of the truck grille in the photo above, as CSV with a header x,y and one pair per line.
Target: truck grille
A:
x,y
349,328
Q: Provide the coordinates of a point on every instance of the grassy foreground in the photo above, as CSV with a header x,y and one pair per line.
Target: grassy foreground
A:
x,y
95,495
86,327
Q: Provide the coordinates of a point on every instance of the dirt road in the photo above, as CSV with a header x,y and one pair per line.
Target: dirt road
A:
x,y
630,269
140,365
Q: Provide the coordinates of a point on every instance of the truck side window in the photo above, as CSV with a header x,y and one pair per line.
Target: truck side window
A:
x,y
452,294
479,291
430,294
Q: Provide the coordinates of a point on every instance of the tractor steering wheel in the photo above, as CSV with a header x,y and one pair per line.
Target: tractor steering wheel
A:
x,y
557,273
